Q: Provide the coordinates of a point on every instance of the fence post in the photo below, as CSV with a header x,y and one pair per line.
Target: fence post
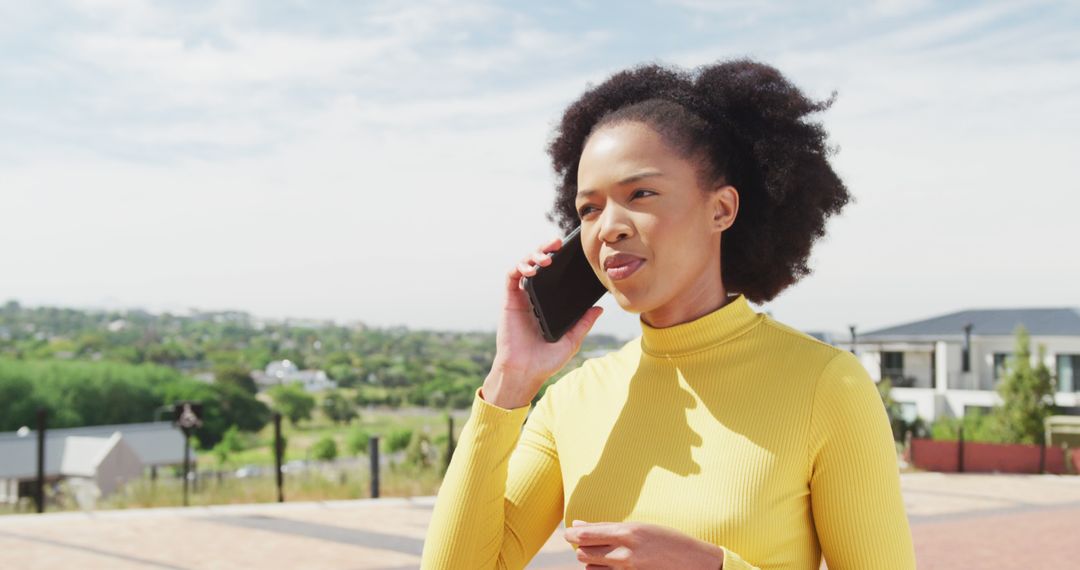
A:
x,y
187,462
449,440
1066,458
960,450
909,446
39,493
1042,457
279,450
373,452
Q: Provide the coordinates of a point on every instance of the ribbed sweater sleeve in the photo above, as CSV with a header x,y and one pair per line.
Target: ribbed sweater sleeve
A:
x,y
854,480
500,500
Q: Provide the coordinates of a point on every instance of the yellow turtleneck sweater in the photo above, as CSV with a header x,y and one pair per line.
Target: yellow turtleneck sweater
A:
x,y
733,429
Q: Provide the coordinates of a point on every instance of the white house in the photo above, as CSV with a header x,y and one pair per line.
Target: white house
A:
x,y
100,456
286,372
947,365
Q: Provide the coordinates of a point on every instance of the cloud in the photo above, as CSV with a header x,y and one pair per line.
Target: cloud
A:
x,y
385,161
158,81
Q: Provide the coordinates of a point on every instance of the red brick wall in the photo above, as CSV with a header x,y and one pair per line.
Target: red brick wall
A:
x,y
933,455
987,457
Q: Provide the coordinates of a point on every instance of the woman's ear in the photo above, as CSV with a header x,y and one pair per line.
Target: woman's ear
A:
x,y
724,204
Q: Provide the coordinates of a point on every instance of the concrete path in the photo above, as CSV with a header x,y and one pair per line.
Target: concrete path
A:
x,y
958,521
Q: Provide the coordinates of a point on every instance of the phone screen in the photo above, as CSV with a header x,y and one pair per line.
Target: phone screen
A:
x,y
561,292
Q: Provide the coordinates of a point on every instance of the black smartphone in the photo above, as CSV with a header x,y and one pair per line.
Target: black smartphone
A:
x,y
561,292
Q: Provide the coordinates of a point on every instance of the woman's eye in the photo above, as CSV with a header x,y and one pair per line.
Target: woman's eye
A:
x,y
585,211
641,193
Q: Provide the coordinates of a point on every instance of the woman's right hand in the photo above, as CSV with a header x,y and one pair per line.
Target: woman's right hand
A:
x,y
523,358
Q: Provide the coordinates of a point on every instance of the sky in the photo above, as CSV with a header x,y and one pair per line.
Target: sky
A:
x,y
384,162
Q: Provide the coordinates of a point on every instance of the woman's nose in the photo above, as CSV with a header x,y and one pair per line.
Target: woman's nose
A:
x,y
614,226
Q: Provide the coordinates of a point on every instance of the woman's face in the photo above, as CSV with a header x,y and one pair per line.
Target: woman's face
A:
x,y
650,232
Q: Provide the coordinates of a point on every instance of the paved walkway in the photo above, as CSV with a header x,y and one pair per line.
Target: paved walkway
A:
x,y
958,521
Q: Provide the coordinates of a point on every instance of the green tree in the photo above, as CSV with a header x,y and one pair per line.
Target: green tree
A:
x,y
293,402
325,449
18,403
338,408
240,408
230,443
235,375
1027,394
892,408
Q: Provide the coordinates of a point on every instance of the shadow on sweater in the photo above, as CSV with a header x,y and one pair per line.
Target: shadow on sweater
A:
x,y
650,432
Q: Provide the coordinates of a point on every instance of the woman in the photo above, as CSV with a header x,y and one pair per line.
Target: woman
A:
x,y
720,438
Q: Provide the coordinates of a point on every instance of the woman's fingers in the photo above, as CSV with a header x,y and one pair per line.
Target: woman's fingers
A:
x,y
552,246
527,267
595,554
540,258
513,279
577,333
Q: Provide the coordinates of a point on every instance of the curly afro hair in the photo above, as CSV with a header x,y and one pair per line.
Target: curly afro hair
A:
x,y
742,123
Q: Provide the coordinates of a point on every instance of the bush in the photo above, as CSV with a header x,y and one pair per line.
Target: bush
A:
x,y
338,408
230,443
462,399
944,429
367,395
420,453
293,402
919,428
357,442
325,449
398,439
978,427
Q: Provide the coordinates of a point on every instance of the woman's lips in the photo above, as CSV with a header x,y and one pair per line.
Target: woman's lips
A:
x,y
619,267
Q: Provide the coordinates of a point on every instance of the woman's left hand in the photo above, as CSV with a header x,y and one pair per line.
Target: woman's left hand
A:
x,y
641,547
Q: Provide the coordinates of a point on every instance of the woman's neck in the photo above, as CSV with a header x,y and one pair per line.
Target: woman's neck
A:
x,y
694,302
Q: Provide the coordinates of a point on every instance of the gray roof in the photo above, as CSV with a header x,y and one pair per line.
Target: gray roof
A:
x,y
986,322
156,443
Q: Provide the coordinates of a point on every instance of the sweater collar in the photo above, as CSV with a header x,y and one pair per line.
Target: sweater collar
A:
x,y
725,323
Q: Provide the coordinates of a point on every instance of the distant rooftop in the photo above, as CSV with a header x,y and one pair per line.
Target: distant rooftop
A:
x,y
987,322
156,443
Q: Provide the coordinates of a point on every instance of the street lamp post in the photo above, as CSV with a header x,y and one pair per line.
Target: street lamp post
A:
x,y
965,358
39,493
188,417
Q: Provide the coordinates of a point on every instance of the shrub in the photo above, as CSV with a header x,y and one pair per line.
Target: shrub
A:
x,y
357,441
325,449
398,439
230,443
420,453
978,427
338,408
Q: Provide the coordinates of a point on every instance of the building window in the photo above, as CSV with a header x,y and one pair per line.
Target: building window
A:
x,y
1068,372
1001,364
892,366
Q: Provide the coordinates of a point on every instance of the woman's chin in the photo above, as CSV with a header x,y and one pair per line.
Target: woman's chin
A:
x,y
629,303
